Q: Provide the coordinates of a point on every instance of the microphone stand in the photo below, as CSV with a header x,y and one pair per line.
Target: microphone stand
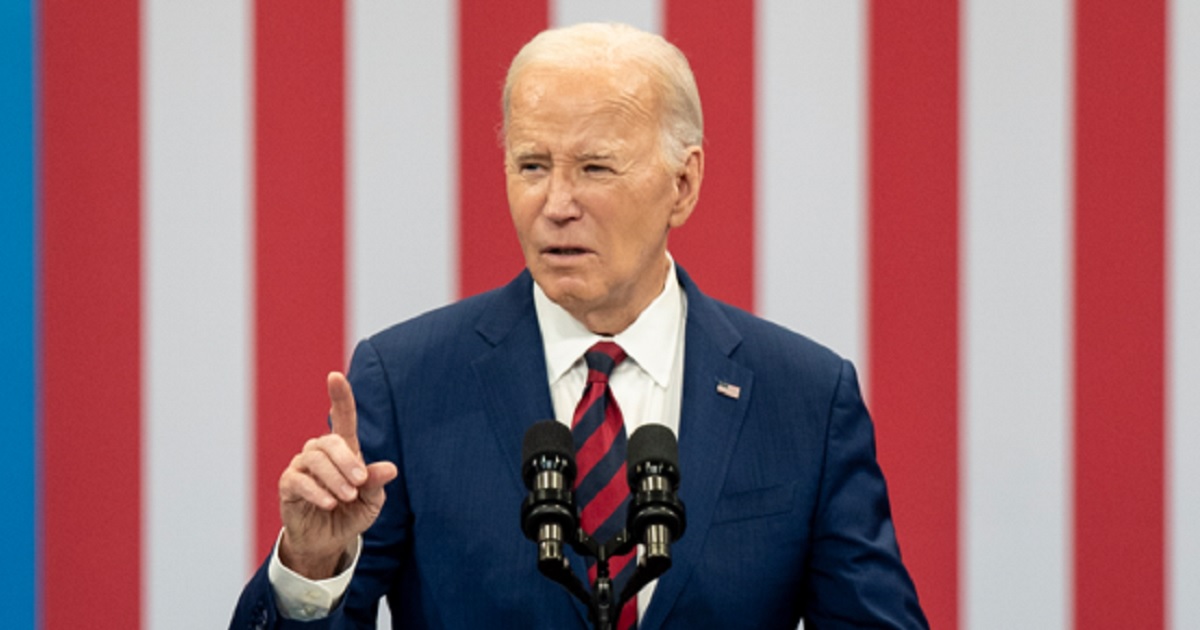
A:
x,y
604,607
550,518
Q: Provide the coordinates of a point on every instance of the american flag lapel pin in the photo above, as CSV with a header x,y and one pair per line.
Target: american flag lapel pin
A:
x,y
729,390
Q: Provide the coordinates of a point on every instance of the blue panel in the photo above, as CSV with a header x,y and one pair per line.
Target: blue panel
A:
x,y
18,363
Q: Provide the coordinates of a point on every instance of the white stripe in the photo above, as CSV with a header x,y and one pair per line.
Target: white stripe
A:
x,y
402,205
402,201
644,14
1183,340
1015,261
810,136
197,435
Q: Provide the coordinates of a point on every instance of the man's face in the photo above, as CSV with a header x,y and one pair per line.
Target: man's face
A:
x,y
590,194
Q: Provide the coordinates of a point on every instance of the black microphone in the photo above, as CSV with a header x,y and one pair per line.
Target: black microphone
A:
x,y
656,516
548,514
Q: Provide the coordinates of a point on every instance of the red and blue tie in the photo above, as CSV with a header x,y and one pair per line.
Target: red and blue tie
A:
x,y
601,490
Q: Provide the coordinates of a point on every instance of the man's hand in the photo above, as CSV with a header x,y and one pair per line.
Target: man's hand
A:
x,y
328,495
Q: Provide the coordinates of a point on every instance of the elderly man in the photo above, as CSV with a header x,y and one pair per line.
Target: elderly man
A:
x,y
788,516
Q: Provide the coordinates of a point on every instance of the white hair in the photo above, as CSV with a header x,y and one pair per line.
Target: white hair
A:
x,y
589,44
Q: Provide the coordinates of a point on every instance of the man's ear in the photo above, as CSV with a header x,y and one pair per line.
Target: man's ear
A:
x,y
687,186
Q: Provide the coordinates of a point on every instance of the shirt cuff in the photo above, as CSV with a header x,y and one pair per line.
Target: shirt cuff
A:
x,y
300,598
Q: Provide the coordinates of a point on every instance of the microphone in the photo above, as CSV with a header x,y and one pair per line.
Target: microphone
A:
x,y
656,516
548,514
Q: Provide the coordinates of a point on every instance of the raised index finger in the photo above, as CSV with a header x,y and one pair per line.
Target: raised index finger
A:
x,y
342,414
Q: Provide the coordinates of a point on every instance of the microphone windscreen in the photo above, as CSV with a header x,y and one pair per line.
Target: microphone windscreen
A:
x,y
651,443
548,437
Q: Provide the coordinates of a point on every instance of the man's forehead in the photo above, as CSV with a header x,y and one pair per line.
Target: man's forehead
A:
x,y
589,149
618,81
579,112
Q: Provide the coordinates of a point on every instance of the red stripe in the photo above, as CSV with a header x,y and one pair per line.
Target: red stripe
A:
x,y
1119,313
601,440
299,274
490,34
717,244
605,502
597,446
913,284
616,564
628,616
610,350
90,315
594,391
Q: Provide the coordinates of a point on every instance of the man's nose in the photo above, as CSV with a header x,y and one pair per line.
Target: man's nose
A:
x,y
560,197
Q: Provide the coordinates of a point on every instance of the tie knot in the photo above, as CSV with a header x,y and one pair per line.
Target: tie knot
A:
x,y
602,358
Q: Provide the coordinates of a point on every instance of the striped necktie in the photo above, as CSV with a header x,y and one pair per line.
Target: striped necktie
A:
x,y
601,490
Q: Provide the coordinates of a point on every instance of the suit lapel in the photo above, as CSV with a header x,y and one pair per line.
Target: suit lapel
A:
x,y
513,381
716,393
512,373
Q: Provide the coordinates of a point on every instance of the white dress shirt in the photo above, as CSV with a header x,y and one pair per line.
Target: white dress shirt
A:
x,y
647,385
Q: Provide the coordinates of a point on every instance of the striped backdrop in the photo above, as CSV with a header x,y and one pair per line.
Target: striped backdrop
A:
x,y
992,206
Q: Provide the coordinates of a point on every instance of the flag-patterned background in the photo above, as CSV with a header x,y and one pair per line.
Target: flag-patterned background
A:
x,y
992,206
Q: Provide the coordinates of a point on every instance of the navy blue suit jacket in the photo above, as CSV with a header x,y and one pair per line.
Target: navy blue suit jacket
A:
x,y
787,510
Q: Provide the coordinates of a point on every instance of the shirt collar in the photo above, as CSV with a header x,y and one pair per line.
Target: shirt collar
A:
x,y
650,340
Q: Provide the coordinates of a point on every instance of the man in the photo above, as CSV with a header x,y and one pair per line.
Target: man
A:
x,y
787,510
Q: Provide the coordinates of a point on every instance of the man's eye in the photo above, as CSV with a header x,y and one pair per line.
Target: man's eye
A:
x,y
530,167
596,169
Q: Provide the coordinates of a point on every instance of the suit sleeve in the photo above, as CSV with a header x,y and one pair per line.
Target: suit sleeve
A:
x,y
257,609
856,578
385,545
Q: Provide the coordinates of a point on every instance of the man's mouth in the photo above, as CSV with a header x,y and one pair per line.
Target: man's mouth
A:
x,y
565,251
